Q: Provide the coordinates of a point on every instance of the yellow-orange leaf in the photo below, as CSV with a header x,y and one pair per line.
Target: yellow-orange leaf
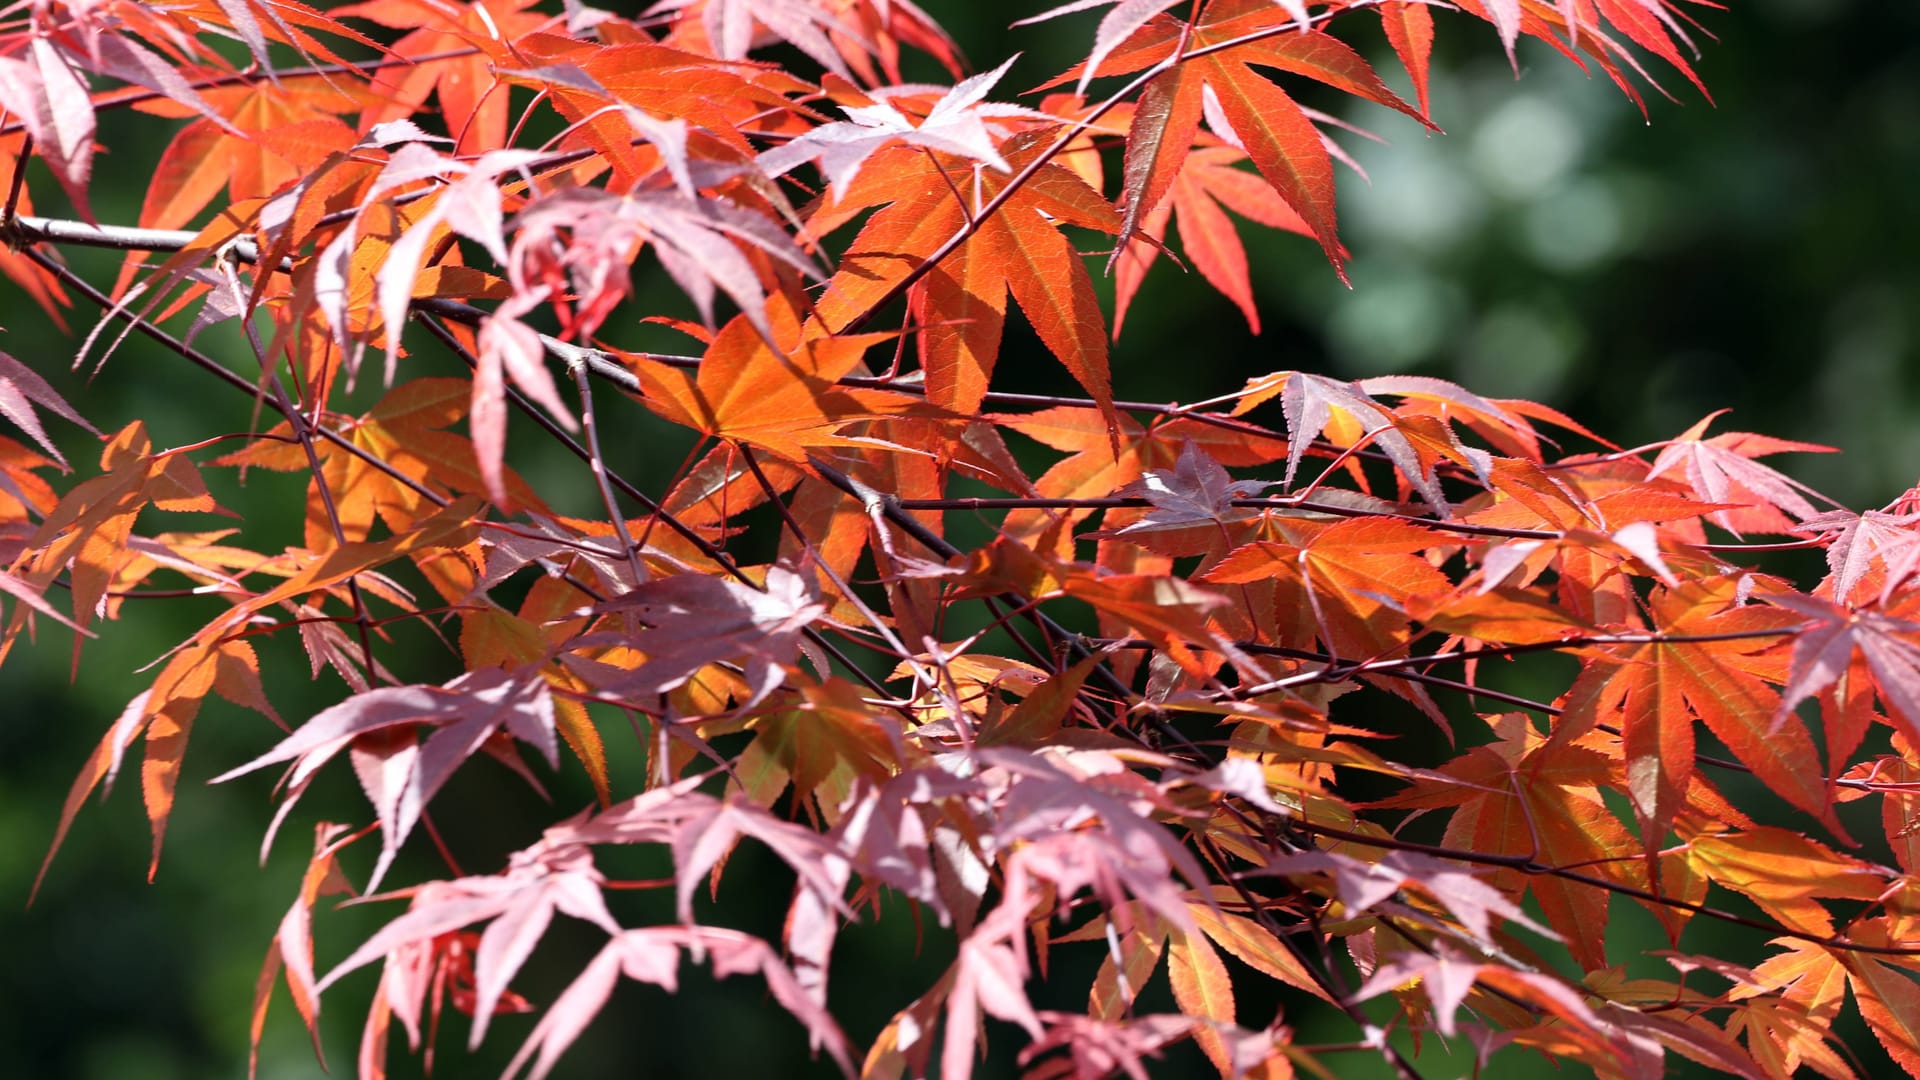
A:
x,y
1203,990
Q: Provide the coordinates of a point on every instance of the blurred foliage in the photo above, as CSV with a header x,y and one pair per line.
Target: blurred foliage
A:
x,y
1760,254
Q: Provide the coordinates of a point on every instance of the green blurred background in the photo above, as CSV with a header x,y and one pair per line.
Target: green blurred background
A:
x,y
1759,255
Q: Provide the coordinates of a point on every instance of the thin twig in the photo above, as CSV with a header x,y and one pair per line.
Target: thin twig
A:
x,y
598,464
1060,142
1527,865
303,432
137,95
647,502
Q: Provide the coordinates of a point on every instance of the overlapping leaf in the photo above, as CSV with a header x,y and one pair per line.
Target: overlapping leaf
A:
x,y
1018,250
399,773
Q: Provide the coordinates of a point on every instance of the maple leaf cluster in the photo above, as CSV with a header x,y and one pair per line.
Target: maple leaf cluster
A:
x,y
1175,744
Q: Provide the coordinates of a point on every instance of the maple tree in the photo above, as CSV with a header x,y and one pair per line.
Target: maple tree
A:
x,y
1160,718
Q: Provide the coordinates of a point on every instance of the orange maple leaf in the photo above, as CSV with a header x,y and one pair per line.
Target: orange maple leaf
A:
x,y
785,402
963,301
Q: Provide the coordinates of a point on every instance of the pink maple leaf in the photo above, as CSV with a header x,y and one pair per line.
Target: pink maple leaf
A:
x,y
398,773
702,829
47,90
962,122
1309,403
882,834
1126,17
1823,649
21,388
51,99
581,241
511,548
1447,975
1190,503
521,902
1721,469
469,204
1856,540
990,975
885,835
1362,885
1081,823
694,620
1097,1049
652,955
733,25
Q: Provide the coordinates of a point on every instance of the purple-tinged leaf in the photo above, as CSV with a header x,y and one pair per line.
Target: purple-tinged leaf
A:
x,y
702,829
509,348
1445,975
1240,777
1362,885
652,955
52,101
21,388
32,597
1102,1048
1854,541
1505,16
1642,540
1823,649
585,238
990,974
1197,491
1080,822
881,831
694,620
470,206
1115,27
731,24
124,58
399,775
1721,469
511,550
542,879
239,15
1309,401
960,123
